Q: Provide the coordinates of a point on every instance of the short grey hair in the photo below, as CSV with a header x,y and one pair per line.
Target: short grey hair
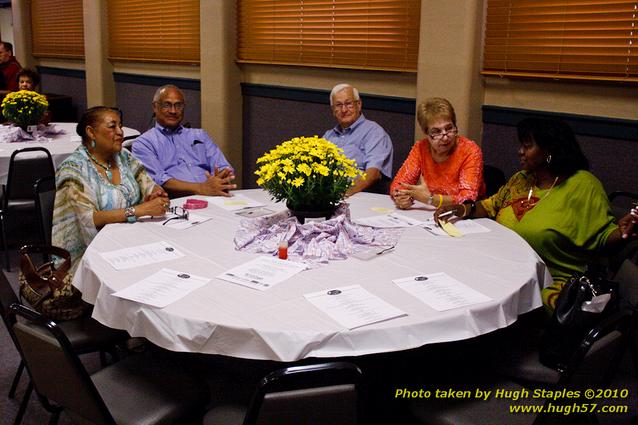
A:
x,y
336,89
158,92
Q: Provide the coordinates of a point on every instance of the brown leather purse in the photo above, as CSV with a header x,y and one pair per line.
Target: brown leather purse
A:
x,y
48,288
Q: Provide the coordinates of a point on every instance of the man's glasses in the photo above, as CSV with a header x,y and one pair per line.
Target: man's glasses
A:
x,y
167,106
348,104
437,134
180,214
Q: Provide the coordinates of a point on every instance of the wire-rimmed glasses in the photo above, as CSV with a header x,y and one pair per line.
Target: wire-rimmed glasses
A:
x,y
180,214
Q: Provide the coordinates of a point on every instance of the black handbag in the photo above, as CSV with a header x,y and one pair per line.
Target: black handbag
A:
x,y
585,300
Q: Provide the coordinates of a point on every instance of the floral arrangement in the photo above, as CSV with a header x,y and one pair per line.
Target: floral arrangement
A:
x,y
24,107
310,173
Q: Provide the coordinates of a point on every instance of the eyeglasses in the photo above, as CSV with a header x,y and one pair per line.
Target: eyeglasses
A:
x,y
437,134
180,214
167,106
348,104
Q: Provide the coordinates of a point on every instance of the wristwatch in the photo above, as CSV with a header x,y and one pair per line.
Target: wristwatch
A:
x,y
129,213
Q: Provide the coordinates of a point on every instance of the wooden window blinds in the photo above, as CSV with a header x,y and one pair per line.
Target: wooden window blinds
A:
x,y
589,40
330,33
57,28
154,31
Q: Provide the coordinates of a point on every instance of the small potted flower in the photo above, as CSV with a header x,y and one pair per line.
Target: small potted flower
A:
x,y
310,173
24,108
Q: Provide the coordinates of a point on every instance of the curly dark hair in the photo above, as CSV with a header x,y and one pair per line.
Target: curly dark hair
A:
x,y
27,72
558,139
90,117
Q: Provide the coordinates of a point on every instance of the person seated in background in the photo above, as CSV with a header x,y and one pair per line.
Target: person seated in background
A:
x,y
28,79
442,169
553,203
362,140
9,67
99,183
184,161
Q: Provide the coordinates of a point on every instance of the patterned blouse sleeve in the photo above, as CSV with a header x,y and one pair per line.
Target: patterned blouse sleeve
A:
x,y
144,180
76,201
410,171
494,203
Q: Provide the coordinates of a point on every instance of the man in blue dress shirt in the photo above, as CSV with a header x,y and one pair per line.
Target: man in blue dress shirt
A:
x,y
363,140
184,161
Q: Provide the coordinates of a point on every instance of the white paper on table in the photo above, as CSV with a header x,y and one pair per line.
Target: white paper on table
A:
x,y
388,221
465,227
162,288
193,220
353,307
441,291
136,256
234,203
262,272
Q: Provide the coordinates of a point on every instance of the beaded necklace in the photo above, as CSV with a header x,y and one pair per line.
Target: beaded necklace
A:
x,y
107,167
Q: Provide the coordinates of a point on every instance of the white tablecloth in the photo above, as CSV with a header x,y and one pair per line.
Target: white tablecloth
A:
x,y
279,324
60,146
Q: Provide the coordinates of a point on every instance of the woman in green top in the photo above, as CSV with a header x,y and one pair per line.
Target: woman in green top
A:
x,y
554,203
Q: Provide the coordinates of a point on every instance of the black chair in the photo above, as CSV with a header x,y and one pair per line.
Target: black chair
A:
x,y
627,278
300,395
26,166
621,202
590,366
85,335
44,195
494,178
127,142
135,390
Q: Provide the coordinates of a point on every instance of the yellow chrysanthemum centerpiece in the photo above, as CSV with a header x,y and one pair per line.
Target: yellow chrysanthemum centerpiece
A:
x,y
24,107
309,173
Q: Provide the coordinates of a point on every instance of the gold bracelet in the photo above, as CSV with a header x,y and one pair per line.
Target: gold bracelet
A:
x,y
464,210
440,201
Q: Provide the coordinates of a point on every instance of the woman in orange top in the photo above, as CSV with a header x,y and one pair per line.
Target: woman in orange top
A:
x,y
451,166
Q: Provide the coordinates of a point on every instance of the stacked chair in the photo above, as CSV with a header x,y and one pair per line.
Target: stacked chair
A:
x,y
26,166
135,390
84,334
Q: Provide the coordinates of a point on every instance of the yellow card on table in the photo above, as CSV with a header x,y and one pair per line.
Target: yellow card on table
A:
x,y
236,202
381,210
451,229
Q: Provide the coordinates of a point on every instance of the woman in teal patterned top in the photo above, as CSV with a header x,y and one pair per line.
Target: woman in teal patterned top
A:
x,y
554,203
99,183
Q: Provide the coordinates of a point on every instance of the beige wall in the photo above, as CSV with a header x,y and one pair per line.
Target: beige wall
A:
x,y
595,99
449,66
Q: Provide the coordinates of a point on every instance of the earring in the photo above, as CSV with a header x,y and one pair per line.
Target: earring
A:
x,y
93,145
549,158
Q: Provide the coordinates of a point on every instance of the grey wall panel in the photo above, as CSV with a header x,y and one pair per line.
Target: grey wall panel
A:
x,y
134,97
65,82
268,121
611,159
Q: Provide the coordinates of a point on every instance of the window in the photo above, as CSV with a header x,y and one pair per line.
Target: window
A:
x,y
57,28
330,33
591,40
154,31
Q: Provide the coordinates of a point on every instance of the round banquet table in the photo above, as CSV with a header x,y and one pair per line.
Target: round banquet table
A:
x,y
279,323
60,146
